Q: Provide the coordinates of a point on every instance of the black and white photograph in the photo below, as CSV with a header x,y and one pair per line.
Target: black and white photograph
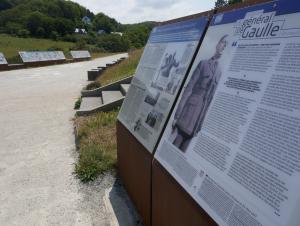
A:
x,y
153,118
196,98
174,80
170,63
152,98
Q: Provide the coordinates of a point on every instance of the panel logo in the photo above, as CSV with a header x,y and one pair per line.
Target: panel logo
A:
x,y
260,25
219,18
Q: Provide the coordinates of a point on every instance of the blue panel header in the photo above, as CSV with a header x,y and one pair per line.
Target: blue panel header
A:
x,y
281,7
190,30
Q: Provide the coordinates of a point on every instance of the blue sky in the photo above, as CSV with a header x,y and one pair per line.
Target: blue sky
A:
x,y
134,11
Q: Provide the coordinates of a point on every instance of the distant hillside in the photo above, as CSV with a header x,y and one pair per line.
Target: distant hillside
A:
x,y
45,18
58,19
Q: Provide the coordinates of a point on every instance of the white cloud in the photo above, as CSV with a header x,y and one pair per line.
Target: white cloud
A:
x,y
134,11
155,4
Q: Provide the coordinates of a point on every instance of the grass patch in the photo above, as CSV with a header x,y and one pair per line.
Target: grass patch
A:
x,y
121,70
99,54
97,144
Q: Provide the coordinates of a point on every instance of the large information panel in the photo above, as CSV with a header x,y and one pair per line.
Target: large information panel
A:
x,y
41,56
2,59
159,75
80,54
233,139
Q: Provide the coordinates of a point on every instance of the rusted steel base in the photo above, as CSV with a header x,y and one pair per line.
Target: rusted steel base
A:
x,y
45,63
171,205
134,166
3,67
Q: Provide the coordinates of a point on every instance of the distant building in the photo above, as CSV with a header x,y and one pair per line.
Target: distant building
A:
x,y
80,31
86,20
117,33
101,32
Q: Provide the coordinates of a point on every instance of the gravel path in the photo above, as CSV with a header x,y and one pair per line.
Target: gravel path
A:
x,y
37,150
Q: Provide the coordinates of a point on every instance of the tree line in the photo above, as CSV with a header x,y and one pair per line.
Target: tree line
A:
x,y
222,3
58,19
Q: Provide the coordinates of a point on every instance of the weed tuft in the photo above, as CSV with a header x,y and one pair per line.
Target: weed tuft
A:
x,y
77,103
93,161
93,85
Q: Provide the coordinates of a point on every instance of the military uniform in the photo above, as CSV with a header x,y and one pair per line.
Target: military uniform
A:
x,y
194,103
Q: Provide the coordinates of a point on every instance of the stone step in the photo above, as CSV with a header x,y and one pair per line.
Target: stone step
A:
x,y
109,64
93,74
119,209
102,67
111,96
89,103
125,88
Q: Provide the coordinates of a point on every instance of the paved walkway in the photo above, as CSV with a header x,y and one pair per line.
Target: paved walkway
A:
x,y
37,145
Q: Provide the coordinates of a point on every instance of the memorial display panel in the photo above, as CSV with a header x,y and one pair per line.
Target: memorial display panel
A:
x,y
41,56
233,139
80,54
2,59
164,64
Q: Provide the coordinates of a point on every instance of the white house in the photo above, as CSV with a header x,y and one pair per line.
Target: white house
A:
x,y
86,20
117,33
81,31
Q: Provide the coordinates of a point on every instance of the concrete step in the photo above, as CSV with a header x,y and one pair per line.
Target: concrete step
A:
x,y
102,67
92,74
89,103
119,208
125,88
111,96
109,65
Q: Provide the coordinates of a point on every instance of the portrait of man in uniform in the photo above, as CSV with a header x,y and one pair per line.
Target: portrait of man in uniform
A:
x,y
196,98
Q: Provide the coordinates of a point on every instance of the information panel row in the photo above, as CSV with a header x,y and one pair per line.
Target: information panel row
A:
x,y
42,56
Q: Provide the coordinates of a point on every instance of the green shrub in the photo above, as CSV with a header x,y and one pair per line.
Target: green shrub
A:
x,y
93,85
14,60
77,103
114,43
54,35
80,45
24,33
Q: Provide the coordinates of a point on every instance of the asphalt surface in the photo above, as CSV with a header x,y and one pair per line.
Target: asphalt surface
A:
x,y
37,149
